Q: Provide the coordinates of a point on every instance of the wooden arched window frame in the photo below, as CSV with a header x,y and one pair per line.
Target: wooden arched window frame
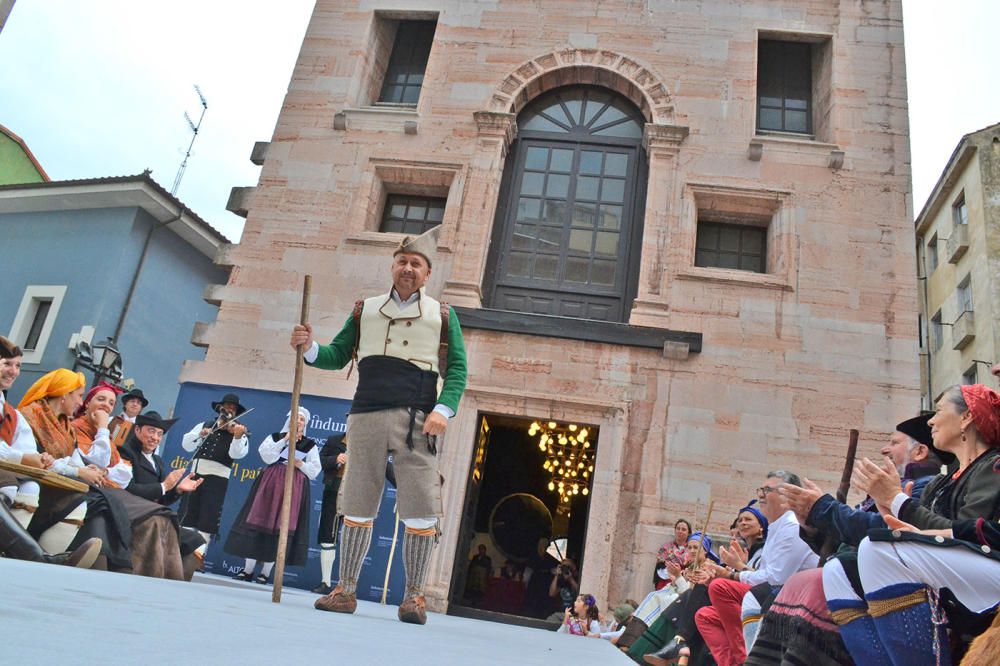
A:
x,y
568,231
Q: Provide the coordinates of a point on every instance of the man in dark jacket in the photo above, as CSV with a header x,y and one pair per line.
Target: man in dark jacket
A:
x,y
333,458
150,478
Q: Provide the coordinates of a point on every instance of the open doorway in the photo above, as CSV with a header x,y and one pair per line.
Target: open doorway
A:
x,y
525,513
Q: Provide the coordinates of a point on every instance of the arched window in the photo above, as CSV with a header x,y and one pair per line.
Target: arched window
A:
x,y
569,224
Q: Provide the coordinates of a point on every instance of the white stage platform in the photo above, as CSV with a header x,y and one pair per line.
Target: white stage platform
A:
x,y
58,615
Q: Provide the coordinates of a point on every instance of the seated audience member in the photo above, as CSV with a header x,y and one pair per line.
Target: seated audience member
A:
x,y
744,554
93,436
17,544
152,481
582,618
660,599
799,625
620,616
892,623
783,554
24,494
150,477
672,550
132,404
254,535
912,453
675,632
137,536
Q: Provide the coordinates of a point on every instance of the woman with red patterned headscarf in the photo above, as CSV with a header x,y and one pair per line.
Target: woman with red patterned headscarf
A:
x,y
947,540
92,433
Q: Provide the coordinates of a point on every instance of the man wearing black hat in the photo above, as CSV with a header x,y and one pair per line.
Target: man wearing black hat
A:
x,y
911,449
217,443
132,403
150,478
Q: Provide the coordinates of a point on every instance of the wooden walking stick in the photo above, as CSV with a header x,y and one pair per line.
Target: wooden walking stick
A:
x,y
845,477
293,437
830,542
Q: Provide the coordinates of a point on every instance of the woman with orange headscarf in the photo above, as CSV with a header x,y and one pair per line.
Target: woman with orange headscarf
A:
x,y
48,407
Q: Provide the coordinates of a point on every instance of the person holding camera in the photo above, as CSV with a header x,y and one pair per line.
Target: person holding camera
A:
x,y
564,583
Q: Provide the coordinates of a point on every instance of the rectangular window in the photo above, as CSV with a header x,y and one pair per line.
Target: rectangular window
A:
x,y
784,86
932,255
35,319
970,376
408,214
404,75
963,296
736,246
959,212
937,333
42,308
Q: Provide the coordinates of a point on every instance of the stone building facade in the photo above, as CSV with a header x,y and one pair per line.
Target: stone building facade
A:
x,y
685,223
958,242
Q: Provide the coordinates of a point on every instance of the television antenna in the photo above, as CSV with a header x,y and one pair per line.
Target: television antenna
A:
x,y
194,135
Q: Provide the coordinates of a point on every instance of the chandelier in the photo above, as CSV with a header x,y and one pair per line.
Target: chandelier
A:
x,y
569,457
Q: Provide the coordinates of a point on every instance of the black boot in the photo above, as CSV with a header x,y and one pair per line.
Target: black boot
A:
x,y
668,654
16,543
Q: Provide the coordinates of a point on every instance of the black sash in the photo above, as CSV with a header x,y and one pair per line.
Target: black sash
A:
x,y
387,382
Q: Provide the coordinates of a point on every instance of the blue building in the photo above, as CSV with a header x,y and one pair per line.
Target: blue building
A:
x,y
102,258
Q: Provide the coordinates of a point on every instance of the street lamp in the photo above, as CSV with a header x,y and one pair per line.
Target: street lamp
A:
x,y
103,359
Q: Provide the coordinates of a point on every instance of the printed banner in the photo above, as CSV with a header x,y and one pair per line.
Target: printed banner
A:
x,y
329,416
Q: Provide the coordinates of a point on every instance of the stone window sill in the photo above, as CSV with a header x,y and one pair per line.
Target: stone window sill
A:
x,y
379,119
730,276
569,328
796,140
830,153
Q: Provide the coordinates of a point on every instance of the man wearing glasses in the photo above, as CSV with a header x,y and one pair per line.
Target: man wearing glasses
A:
x,y
784,553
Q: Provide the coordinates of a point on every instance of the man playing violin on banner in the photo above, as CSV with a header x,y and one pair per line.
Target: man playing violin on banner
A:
x,y
217,444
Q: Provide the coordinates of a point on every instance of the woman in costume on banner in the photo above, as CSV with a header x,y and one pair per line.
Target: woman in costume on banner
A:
x,y
138,536
254,535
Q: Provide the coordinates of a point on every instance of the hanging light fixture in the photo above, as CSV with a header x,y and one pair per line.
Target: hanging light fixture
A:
x,y
569,458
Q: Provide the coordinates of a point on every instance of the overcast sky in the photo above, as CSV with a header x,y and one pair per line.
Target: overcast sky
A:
x,y
99,88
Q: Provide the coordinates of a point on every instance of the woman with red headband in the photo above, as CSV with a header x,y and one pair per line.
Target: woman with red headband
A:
x,y
950,539
93,435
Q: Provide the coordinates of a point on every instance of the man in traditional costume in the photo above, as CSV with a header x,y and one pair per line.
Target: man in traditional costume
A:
x,y
150,476
132,403
216,443
397,339
333,458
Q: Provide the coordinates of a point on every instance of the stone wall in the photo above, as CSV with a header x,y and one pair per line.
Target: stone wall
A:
x,y
791,359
